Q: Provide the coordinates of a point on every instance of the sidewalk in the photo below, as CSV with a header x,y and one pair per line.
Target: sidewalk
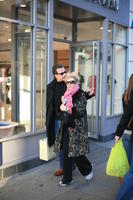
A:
x,y
40,183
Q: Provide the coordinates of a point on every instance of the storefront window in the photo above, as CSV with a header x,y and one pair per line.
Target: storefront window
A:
x,y
18,10
15,73
109,81
89,31
17,42
22,38
40,78
119,78
42,12
62,29
117,52
110,31
120,34
5,71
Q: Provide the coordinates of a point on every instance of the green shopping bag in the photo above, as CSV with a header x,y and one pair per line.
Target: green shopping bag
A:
x,y
117,164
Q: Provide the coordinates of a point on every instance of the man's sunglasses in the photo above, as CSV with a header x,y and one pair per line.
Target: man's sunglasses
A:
x,y
70,82
62,73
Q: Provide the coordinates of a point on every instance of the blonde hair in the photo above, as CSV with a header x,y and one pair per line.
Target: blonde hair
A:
x,y
73,75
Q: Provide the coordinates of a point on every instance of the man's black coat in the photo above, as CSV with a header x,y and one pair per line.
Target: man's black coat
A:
x,y
50,111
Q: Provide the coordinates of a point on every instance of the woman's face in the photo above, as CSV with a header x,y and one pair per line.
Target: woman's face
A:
x,y
70,83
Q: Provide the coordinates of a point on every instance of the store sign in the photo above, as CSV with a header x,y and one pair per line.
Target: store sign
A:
x,y
113,4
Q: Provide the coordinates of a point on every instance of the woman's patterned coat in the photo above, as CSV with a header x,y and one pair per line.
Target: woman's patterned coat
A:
x,y
77,126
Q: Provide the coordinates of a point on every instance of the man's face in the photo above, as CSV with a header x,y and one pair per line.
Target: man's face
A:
x,y
60,74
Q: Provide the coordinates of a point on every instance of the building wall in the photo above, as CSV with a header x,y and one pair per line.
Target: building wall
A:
x,y
20,149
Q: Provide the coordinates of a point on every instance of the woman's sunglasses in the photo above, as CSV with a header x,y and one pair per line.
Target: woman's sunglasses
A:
x,y
70,82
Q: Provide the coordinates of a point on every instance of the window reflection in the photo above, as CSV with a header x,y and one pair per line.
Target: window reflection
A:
x,y
119,79
5,71
120,34
18,10
40,78
90,31
109,79
110,31
42,14
23,38
62,29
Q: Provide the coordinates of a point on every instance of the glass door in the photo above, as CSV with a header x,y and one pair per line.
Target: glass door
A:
x,y
85,60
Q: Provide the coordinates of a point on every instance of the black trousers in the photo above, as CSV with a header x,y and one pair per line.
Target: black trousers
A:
x,y
81,162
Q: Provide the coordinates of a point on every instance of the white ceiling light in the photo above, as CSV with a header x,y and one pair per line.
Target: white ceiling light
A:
x,y
23,4
27,30
101,25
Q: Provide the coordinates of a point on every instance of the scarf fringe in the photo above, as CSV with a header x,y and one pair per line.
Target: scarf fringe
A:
x,y
68,97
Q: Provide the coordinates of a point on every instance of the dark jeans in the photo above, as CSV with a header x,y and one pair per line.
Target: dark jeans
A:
x,y
81,162
128,146
126,189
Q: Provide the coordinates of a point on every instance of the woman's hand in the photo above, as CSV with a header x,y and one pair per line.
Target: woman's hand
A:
x,y
63,107
62,99
90,91
117,138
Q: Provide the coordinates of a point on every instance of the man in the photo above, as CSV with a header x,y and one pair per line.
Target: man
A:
x,y
55,90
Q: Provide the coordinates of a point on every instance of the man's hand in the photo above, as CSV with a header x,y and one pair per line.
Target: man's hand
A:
x,y
117,138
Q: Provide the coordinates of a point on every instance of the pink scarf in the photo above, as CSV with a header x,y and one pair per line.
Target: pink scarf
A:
x,y
68,97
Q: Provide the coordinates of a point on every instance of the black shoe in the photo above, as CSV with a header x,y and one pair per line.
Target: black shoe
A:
x,y
61,184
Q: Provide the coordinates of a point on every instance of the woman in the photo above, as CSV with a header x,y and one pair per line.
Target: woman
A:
x,y
126,125
73,135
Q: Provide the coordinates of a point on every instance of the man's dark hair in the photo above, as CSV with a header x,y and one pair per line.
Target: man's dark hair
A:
x,y
55,67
